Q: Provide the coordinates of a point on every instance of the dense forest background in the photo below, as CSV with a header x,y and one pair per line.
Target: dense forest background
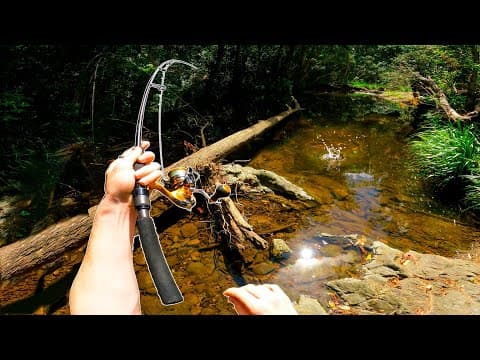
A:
x,y
67,110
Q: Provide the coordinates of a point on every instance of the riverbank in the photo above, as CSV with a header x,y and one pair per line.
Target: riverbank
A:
x,y
397,282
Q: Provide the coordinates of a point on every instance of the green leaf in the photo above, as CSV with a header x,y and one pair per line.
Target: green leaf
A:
x,y
25,213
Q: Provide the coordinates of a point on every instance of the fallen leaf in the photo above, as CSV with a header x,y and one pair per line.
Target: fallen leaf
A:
x,y
361,241
332,304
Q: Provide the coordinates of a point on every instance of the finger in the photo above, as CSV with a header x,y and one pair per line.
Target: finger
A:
x,y
130,155
241,300
240,308
229,292
146,170
146,157
257,291
240,294
273,287
145,145
277,291
150,178
126,152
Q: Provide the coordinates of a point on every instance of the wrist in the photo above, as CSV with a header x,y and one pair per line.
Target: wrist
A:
x,y
112,231
110,205
115,200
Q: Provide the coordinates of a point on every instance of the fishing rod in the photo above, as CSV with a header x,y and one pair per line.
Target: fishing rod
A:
x,y
178,187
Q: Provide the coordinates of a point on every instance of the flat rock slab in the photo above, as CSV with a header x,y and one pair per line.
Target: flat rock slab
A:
x,y
397,282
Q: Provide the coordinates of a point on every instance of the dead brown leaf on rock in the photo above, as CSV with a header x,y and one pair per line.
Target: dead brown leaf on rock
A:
x,y
406,258
394,282
419,312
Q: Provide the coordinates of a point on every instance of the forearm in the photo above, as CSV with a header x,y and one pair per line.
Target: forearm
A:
x,y
106,281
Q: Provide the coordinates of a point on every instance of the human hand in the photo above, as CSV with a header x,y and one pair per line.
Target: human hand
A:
x,y
266,299
120,176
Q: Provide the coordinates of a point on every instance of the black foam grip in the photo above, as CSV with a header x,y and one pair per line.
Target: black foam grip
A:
x,y
162,277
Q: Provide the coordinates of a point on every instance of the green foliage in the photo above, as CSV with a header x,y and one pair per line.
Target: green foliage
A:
x,y
452,68
457,101
444,153
472,190
366,85
40,170
391,65
376,64
13,105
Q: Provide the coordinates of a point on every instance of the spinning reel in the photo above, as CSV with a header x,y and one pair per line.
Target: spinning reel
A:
x,y
182,185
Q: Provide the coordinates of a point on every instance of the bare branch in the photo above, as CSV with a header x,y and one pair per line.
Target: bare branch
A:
x,y
432,88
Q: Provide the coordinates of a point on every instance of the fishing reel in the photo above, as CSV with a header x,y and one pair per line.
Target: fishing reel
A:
x,y
181,184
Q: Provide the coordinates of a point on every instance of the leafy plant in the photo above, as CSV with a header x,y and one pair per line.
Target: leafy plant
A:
x,y
40,172
444,153
472,191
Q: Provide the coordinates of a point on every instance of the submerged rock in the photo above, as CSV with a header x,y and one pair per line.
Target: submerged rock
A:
x,y
309,306
188,230
280,250
330,250
263,268
356,178
197,268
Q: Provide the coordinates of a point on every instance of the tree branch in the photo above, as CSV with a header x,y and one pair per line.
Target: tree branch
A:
x,y
432,88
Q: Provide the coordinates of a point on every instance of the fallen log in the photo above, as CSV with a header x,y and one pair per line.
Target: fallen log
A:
x,y
228,145
431,87
35,250
40,248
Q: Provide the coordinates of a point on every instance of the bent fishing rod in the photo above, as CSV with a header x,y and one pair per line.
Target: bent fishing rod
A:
x,y
178,187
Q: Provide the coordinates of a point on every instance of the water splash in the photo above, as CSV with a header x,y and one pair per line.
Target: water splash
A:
x,y
333,153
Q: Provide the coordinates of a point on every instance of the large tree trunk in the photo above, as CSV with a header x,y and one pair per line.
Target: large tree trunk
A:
x,y
38,249
430,87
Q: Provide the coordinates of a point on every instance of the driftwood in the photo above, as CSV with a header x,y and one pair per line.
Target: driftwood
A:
x,y
242,229
237,233
38,249
241,235
430,87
